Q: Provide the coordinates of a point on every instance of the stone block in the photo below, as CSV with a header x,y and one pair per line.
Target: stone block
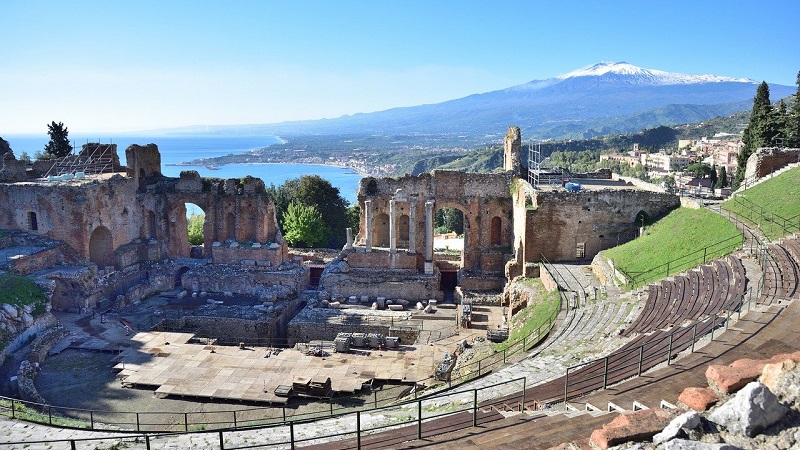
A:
x,y
396,307
726,380
783,379
698,399
249,262
680,425
637,426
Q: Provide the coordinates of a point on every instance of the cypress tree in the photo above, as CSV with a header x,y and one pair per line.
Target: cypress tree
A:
x,y
793,125
760,132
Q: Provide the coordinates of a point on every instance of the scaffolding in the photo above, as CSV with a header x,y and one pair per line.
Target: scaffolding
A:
x,y
536,175
93,159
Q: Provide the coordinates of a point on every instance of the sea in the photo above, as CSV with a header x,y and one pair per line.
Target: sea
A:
x,y
179,149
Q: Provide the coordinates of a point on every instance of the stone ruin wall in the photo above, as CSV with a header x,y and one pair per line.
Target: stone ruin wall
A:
x,y
764,161
226,329
562,220
387,283
480,197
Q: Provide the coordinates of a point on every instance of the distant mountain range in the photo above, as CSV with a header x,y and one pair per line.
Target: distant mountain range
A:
x,y
601,99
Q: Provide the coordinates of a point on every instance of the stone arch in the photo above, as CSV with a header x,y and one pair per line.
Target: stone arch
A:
x,y
101,247
496,231
403,227
464,242
641,218
381,230
33,222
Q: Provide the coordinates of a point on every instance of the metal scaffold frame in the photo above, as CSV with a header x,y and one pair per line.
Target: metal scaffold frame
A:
x,y
99,160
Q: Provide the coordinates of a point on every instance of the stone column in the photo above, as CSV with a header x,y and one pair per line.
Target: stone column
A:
x,y
368,224
412,225
349,244
392,227
429,237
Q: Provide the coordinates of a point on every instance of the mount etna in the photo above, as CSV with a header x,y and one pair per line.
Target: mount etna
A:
x,y
601,99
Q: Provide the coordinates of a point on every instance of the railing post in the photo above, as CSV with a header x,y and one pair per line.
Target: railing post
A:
x,y
72,444
291,435
13,409
694,335
705,252
147,442
713,325
50,414
566,384
669,350
358,430
474,407
605,372
419,419
284,414
235,422
524,382
185,421
641,360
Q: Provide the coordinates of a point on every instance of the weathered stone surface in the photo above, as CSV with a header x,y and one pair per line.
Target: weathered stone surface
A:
x,y
679,425
698,399
636,426
751,410
783,380
727,379
10,311
683,444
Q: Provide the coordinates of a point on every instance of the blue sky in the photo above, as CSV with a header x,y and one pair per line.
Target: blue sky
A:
x,y
114,66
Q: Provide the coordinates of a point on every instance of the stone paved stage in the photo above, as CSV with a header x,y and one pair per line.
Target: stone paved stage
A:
x,y
173,366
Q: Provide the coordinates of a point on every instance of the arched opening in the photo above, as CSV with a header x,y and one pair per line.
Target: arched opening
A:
x,y
101,247
33,223
230,227
195,229
179,276
381,230
448,230
402,228
641,219
151,224
495,231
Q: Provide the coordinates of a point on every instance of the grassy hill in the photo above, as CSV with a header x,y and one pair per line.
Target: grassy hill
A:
x,y
773,206
683,239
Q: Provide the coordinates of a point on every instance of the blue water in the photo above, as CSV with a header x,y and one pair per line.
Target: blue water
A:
x,y
176,149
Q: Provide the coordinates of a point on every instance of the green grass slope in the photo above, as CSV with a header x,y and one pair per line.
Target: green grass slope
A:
x,y
683,239
773,206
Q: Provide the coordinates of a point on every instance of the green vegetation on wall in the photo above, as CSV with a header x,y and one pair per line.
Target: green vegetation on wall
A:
x,y
533,316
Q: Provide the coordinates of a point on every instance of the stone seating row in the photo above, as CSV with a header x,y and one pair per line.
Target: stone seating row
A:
x,y
781,272
693,295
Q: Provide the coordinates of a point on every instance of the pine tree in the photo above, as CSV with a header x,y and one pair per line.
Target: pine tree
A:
x,y
760,132
59,140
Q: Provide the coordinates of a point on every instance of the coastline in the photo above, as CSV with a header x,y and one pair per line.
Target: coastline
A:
x,y
217,166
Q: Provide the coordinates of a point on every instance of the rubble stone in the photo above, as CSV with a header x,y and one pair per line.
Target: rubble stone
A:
x,y
681,424
751,410
636,426
698,399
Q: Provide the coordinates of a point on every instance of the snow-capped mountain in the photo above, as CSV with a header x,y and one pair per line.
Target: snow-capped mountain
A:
x,y
638,75
599,99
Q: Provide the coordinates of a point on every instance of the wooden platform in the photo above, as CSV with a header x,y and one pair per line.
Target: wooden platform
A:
x,y
169,364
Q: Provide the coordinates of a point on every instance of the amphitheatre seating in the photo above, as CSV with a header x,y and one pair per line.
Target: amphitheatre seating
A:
x,y
691,296
782,272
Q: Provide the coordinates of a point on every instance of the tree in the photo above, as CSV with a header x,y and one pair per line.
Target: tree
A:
x,y
354,218
195,228
303,226
793,131
760,132
449,219
4,147
722,178
313,190
59,145
700,170
24,156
